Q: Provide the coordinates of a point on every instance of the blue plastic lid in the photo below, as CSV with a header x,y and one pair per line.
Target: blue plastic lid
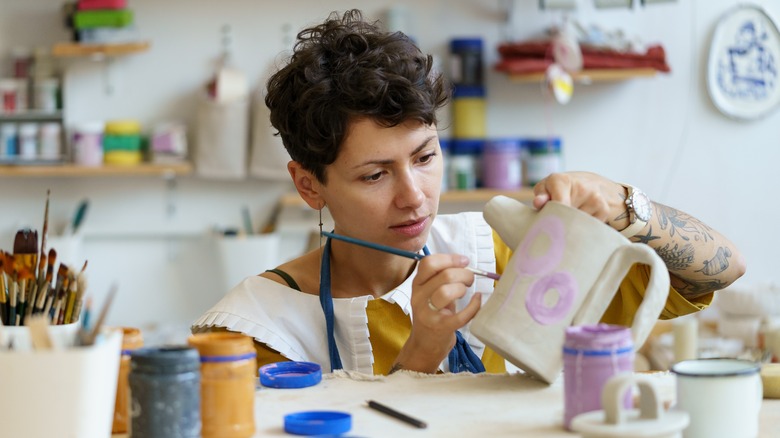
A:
x,y
318,423
467,147
290,374
552,144
458,44
464,91
445,144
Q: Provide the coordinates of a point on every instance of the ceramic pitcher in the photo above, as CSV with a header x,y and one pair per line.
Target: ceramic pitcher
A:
x,y
565,270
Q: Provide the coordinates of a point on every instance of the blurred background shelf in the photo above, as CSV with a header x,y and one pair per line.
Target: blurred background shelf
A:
x,y
31,116
69,170
453,196
77,49
588,76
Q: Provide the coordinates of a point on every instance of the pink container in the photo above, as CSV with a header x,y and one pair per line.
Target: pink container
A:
x,y
101,4
88,144
591,355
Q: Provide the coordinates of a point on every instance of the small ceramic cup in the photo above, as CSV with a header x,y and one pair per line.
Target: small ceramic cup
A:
x,y
723,397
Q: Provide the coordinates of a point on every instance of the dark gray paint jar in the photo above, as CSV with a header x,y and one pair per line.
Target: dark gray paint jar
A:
x,y
165,392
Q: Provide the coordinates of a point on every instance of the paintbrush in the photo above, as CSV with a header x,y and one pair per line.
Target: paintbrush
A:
x,y
3,296
26,256
81,287
88,337
400,252
44,233
46,297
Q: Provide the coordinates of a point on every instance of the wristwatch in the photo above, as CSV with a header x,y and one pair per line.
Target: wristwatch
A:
x,y
639,210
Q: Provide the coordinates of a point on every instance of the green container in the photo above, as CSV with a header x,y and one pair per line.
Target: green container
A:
x,y
131,143
102,18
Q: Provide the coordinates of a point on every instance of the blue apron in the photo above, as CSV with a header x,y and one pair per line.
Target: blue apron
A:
x,y
461,358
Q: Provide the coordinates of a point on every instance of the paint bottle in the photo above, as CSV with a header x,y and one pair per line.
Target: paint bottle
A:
x,y
464,164
228,367
131,340
8,141
591,355
469,112
88,143
28,141
542,157
165,392
501,166
466,61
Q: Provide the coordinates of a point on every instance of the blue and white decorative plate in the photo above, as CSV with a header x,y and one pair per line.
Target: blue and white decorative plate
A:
x,y
743,72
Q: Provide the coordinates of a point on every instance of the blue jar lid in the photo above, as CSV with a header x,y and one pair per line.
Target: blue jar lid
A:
x,y
445,144
463,91
536,145
290,374
459,44
318,423
467,147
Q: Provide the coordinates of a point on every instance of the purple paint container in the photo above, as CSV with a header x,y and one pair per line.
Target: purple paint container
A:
x,y
591,355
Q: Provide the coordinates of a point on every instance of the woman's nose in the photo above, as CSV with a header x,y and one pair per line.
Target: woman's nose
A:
x,y
409,192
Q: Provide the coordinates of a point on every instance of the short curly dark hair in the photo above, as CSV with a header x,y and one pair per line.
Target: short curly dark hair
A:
x,y
343,69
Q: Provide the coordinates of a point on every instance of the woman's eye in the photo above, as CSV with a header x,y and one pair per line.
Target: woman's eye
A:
x,y
374,177
427,158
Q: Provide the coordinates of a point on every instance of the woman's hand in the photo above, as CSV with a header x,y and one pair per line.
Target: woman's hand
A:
x,y
441,280
600,197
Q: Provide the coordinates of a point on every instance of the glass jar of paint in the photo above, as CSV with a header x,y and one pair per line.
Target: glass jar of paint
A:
x,y
165,392
591,355
501,165
228,368
469,112
542,157
132,339
466,61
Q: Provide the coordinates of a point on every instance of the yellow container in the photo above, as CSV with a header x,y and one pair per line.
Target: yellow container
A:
x,y
123,158
123,127
227,392
132,339
469,119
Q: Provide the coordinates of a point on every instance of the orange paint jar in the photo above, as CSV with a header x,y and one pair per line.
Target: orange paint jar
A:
x,y
132,339
227,371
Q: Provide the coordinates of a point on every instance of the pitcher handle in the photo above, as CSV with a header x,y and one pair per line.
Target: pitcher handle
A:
x,y
612,275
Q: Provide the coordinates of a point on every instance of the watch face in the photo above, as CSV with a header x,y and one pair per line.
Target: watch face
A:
x,y
640,203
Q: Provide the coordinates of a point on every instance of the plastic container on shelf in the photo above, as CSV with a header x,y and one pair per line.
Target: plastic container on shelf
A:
x,y
445,145
28,141
542,157
464,164
22,61
50,143
9,136
9,95
88,143
466,61
501,164
45,94
469,112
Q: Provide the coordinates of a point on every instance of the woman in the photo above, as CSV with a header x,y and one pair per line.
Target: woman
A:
x,y
356,110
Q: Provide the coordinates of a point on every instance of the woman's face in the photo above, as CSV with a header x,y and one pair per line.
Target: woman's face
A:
x,y
384,185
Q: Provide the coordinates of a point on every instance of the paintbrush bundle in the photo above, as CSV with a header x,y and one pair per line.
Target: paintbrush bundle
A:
x,y
28,285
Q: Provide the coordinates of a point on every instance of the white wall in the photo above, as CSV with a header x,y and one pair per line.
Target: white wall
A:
x,y
148,234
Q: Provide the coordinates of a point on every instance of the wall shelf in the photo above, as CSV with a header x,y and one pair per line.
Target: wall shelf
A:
x,y
524,194
31,116
70,170
63,50
589,76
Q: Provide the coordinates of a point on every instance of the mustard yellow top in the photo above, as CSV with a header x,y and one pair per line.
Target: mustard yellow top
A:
x,y
389,326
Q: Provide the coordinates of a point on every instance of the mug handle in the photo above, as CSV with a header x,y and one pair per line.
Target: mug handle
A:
x,y
614,393
602,292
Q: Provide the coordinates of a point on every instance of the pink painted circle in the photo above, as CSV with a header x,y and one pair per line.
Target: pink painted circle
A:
x,y
567,289
553,228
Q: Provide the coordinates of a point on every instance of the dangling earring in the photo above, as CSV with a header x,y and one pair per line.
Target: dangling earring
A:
x,y
320,211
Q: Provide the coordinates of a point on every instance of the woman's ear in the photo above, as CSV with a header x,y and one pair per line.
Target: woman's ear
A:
x,y
307,185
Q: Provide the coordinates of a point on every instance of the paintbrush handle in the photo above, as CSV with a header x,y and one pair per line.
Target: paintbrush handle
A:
x,y
376,246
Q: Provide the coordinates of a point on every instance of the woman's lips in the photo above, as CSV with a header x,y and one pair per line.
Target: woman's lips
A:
x,y
411,228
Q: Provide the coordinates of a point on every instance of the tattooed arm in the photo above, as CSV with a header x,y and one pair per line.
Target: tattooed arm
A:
x,y
700,260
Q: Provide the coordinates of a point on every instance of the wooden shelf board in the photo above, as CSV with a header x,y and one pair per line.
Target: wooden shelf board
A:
x,y
588,76
451,196
69,170
79,49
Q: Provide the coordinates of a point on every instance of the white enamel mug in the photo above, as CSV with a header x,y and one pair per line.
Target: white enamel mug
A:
x,y
723,397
